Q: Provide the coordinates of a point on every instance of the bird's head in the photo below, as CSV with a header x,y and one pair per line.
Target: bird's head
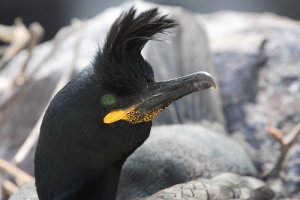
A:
x,y
133,95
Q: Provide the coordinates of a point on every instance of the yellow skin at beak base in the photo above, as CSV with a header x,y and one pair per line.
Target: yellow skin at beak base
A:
x,y
131,115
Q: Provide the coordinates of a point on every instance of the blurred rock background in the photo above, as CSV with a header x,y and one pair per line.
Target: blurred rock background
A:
x,y
57,13
255,57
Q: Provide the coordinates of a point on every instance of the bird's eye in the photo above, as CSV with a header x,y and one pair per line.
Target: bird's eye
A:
x,y
108,100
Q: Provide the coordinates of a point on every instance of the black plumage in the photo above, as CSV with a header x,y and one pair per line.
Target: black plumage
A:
x,y
98,119
120,65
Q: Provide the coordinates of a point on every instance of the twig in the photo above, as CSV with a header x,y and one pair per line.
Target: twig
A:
x,y
36,34
18,36
33,136
19,175
11,93
9,187
285,142
292,137
1,186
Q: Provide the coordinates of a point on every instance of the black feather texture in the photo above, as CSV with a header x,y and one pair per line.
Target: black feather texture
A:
x,y
120,65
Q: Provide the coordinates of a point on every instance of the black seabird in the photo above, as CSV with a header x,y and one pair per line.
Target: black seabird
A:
x,y
98,119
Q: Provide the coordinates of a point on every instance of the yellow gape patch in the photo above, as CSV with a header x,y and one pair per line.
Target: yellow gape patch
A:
x,y
132,115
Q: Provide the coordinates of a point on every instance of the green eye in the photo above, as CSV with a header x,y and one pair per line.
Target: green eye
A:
x,y
108,100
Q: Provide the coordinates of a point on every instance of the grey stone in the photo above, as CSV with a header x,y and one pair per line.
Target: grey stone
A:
x,y
213,190
259,83
177,154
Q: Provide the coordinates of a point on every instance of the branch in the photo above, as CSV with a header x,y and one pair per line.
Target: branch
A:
x,y
18,36
9,187
36,35
19,175
285,142
11,92
34,134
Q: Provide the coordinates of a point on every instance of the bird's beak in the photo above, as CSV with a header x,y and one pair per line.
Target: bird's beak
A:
x,y
158,95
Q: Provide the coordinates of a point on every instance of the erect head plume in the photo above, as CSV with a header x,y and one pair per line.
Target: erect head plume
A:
x,y
120,65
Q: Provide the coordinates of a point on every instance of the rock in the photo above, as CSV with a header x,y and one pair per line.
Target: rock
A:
x,y
172,155
257,61
177,154
26,192
222,187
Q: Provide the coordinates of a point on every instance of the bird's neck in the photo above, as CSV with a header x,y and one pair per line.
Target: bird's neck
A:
x,y
103,187
108,184
95,170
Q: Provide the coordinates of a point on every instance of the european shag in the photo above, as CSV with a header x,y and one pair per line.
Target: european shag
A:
x,y
99,118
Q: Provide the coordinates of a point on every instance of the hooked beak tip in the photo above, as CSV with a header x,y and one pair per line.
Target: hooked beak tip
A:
x,y
207,77
214,85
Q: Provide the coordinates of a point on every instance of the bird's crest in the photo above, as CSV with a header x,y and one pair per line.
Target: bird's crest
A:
x,y
120,65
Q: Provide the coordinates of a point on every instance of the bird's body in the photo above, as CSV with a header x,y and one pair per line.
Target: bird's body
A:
x,y
98,119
